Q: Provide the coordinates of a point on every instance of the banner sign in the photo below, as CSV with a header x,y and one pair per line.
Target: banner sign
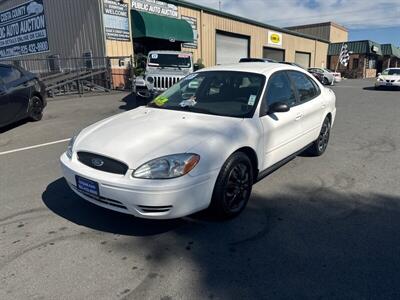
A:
x,y
274,38
193,23
116,20
156,7
23,30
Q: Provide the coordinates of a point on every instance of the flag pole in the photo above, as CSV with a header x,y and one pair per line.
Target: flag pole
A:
x,y
340,53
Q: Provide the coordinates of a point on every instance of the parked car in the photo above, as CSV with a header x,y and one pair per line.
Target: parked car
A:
x,y
250,59
203,143
328,78
389,78
163,70
22,95
319,76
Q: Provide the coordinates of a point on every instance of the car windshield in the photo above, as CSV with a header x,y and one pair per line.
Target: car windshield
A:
x,y
391,72
223,93
169,60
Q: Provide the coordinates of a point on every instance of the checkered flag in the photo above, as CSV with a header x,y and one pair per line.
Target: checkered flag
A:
x,y
344,56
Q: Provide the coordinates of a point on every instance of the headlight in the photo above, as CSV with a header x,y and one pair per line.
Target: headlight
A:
x,y
167,167
70,146
380,79
150,79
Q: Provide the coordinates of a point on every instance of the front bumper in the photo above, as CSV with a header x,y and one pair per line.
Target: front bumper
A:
x,y
151,199
385,84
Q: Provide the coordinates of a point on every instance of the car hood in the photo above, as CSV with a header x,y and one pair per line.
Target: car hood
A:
x,y
168,72
140,135
390,77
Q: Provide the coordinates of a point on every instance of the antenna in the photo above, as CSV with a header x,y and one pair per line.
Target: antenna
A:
x,y
220,4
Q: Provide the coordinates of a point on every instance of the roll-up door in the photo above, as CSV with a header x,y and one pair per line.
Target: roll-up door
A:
x,y
230,49
275,54
303,59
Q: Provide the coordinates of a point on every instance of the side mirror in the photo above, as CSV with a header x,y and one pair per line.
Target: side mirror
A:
x,y
278,107
379,74
196,67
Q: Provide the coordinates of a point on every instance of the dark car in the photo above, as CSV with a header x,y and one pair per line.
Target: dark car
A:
x,y
250,59
317,75
22,95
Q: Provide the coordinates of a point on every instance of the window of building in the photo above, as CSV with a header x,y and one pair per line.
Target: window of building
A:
x,y
355,63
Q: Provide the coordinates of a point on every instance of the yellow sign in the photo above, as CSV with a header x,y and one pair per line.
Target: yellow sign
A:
x,y
274,38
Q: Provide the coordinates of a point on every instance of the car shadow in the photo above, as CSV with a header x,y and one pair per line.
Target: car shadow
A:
x,y
372,88
13,126
132,102
61,200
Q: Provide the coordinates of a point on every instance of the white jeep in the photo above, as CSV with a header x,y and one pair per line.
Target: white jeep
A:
x,y
163,69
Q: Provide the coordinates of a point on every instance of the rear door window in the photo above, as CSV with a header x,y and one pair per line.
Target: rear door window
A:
x,y
306,87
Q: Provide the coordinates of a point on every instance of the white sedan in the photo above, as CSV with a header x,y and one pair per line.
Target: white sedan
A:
x,y
203,143
390,78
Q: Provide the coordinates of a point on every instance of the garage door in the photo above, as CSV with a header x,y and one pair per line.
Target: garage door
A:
x,y
303,59
231,48
276,54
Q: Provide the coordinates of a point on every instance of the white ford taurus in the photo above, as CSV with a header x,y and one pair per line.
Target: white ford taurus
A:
x,y
202,143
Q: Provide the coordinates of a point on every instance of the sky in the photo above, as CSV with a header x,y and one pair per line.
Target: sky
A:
x,y
377,20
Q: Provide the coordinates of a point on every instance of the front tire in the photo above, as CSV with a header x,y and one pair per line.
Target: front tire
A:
x,y
233,187
325,81
36,109
319,146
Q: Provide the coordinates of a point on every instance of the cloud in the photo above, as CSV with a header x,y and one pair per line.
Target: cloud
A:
x,y
354,14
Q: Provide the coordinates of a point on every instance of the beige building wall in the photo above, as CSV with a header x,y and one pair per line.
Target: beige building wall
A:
x,y
120,48
208,24
338,34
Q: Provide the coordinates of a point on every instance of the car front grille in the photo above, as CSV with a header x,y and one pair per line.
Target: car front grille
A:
x,y
102,163
390,80
162,83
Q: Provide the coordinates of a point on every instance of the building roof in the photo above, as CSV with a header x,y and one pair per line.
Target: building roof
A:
x,y
357,47
390,50
242,19
330,23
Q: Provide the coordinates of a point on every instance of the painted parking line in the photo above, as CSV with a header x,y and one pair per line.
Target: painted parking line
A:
x,y
33,147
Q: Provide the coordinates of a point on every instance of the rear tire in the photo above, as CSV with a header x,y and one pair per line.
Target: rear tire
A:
x,y
36,109
233,187
319,146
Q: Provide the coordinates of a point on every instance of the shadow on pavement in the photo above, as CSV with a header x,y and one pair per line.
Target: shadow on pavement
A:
x,y
13,126
132,102
387,89
300,243
60,199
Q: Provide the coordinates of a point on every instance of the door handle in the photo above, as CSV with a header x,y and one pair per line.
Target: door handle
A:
x,y
299,116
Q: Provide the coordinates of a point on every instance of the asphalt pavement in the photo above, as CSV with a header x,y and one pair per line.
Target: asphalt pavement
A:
x,y
317,228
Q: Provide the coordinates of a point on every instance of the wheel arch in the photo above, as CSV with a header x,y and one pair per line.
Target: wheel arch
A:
x,y
252,155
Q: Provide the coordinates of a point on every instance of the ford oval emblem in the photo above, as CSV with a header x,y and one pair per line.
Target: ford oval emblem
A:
x,y
97,162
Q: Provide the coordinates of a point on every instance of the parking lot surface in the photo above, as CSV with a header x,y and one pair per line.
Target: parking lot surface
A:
x,y
318,228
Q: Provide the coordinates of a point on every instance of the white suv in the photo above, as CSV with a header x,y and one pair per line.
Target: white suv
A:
x,y
202,143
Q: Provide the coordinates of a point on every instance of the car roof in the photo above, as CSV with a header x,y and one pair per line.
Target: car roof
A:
x,y
253,67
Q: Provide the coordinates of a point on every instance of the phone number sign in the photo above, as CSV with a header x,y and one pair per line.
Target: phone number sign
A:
x,y
23,30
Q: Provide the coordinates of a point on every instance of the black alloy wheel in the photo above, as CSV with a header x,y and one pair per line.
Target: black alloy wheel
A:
x,y
36,108
233,187
319,146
